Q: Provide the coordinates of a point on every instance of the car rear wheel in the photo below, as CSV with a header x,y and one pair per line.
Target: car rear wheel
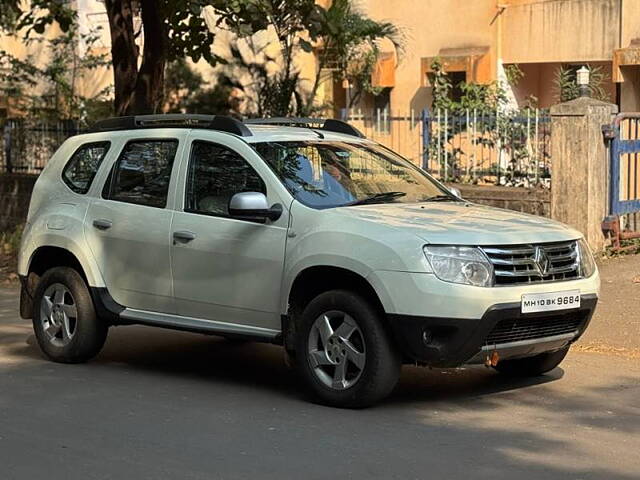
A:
x,y
344,353
532,366
64,318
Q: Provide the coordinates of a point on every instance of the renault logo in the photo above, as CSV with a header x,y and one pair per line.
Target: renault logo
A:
x,y
542,261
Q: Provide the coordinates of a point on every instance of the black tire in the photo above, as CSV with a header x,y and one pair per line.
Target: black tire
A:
x,y
89,332
532,366
382,360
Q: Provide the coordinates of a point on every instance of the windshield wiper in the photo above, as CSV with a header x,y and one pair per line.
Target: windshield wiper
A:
x,y
442,198
383,197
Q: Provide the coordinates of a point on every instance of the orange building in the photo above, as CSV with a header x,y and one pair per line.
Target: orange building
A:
x,y
476,39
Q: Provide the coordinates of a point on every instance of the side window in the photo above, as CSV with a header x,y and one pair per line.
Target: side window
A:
x,y
215,174
142,173
83,165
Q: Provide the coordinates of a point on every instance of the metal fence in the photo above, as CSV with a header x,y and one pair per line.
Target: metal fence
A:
x,y
402,132
28,144
624,188
468,146
462,146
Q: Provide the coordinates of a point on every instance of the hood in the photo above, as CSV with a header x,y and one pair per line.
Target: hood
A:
x,y
460,223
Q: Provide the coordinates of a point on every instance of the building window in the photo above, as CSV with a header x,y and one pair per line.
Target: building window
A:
x,y
456,78
382,111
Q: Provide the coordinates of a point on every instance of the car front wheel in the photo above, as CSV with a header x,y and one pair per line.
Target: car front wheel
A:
x,y
348,360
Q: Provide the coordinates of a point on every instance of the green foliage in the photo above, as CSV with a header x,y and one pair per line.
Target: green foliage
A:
x,y
216,100
342,39
186,91
513,73
95,109
441,86
181,83
10,240
484,98
359,72
268,89
51,89
174,29
271,84
503,131
37,15
9,14
566,85
187,31
341,36
296,24
349,45
630,247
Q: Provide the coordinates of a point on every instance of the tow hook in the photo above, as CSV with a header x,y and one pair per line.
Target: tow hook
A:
x,y
492,360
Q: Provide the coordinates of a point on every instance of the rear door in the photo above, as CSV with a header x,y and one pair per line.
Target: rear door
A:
x,y
128,228
226,269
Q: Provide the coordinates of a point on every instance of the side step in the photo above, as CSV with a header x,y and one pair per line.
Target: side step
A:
x,y
117,314
191,324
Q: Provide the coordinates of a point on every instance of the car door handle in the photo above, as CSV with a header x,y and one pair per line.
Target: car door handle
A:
x,y
102,224
184,236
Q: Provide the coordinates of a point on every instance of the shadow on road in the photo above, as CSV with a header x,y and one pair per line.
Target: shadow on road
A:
x,y
262,366
190,405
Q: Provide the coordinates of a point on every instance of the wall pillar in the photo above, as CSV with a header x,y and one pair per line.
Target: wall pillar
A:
x,y
580,163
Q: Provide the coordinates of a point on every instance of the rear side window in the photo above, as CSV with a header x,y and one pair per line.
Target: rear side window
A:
x,y
83,165
142,173
216,173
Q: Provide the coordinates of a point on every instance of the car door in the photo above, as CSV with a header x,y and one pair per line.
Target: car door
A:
x,y
128,227
226,269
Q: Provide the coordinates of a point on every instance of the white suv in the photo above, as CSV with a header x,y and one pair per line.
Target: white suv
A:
x,y
309,236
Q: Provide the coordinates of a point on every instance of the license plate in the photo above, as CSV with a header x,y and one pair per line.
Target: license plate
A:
x,y
544,302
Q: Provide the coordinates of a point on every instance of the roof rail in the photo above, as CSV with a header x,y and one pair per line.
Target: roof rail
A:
x,y
211,122
326,124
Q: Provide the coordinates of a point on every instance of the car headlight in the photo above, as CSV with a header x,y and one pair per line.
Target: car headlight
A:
x,y
466,265
587,263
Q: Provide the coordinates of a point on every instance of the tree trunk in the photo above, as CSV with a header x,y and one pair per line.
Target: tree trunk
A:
x,y
137,90
149,85
124,53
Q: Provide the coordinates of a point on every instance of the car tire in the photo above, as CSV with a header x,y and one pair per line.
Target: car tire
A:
x,y
61,295
532,366
343,352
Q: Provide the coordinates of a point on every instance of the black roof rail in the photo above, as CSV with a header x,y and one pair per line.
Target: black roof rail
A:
x,y
326,124
212,122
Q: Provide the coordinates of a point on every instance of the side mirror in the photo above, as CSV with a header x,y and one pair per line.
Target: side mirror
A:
x,y
455,191
253,207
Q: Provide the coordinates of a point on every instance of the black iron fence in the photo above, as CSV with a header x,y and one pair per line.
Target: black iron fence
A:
x,y
28,144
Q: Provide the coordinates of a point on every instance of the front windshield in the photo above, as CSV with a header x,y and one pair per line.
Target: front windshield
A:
x,y
324,174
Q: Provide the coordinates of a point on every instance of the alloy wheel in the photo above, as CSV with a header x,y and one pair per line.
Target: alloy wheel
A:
x,y
336,350
58,315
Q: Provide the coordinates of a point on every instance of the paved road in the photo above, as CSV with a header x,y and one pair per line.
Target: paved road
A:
x,y
164,405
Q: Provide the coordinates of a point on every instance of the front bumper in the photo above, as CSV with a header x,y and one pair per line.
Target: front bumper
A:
x,y
450,342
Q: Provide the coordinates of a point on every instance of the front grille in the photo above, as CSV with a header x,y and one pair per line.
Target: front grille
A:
x,y
518,329
547,262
